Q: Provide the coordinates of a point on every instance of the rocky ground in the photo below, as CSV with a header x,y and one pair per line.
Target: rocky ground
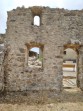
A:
x,y
70,100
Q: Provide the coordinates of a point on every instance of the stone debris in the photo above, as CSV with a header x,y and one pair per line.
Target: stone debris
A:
x,y
34,62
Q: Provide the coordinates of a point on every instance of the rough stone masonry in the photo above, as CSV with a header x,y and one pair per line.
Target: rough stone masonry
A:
x,y
58,28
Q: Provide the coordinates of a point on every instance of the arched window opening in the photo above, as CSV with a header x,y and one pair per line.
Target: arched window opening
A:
x,y
35,58
69,68
36,20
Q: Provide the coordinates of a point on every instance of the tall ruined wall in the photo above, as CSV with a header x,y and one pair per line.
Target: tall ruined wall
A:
x,y
2,37
57,28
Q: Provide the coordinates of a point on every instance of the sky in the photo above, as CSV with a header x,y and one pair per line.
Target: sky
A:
x,y
7,5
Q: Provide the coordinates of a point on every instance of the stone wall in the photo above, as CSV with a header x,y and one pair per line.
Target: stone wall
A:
x,y
57,28
2,36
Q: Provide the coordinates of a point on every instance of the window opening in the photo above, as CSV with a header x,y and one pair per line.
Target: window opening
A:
x,y
35,58
64,52
37,20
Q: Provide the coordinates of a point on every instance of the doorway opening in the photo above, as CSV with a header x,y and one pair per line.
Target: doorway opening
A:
x,y
70,65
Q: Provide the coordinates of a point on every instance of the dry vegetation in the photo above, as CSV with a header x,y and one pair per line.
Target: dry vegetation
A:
x,y
69,100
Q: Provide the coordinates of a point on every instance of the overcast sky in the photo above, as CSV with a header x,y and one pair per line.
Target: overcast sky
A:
x,y
6,5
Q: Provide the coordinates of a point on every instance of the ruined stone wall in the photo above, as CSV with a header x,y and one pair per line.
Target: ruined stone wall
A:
x,y
57,28
2,37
